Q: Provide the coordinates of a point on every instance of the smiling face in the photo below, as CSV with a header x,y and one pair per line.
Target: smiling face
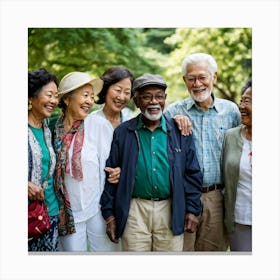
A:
x,y
118,96
245,107
199,81
151,101
45,102
79,102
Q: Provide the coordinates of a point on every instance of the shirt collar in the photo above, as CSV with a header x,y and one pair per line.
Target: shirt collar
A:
x,y
162,124
215,104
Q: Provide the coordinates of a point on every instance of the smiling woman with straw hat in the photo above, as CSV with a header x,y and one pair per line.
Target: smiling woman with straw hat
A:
x,y
77,146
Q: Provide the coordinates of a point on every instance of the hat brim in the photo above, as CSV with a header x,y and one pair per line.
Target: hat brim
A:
x,y
97,85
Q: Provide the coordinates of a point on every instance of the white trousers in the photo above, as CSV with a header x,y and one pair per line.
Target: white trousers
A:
x,y
90,235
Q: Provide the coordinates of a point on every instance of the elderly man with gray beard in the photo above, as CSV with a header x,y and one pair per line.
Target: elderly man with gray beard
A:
x,y
158,194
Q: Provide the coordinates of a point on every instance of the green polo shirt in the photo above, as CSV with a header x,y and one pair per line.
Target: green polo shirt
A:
x,y
152,170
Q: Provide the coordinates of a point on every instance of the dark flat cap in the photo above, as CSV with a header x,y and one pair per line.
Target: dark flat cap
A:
x,y
148,80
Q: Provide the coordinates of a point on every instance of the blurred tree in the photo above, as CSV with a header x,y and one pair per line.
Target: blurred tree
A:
x,y
155,39
62,50
154,50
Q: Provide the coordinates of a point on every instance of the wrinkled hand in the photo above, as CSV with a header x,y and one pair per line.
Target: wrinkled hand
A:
x,y
184,124
114,174
111,229
35,192
191,222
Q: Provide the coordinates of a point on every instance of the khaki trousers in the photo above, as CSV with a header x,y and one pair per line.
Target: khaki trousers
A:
x,y
148,227
211,233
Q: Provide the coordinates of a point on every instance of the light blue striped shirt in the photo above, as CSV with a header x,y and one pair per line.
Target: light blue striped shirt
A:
x,y
208,130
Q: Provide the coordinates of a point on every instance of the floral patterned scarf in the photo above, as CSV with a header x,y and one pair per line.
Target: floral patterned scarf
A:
x,y
62,142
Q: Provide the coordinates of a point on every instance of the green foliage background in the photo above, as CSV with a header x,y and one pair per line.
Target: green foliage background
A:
x,y
154,50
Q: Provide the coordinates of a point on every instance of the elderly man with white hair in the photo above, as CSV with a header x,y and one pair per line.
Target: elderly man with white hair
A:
x,y
210,117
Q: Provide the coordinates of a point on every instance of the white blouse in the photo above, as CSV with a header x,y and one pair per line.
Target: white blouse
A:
x,y
243,205
85,195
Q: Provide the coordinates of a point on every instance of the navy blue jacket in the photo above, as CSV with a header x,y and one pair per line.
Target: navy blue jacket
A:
x,y
185,175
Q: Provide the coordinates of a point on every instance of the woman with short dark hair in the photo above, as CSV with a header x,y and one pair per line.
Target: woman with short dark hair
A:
x,y
42,100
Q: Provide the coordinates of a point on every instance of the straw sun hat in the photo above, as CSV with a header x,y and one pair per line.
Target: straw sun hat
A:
x,y
74,80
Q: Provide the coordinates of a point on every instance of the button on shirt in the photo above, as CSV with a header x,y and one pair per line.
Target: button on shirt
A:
x,y
208,131
152,171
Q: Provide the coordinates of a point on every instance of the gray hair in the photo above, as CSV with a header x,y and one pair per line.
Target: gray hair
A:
x,y
61,103
199,57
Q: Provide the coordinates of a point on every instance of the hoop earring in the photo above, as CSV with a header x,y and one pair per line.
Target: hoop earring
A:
x,y
29,105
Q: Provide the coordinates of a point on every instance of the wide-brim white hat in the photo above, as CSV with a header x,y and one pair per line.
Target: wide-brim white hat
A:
x,y
74,80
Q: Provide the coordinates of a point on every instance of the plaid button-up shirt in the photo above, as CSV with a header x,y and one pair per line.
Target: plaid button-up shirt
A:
x,y
208,130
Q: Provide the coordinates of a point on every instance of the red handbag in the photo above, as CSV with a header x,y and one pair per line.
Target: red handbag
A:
x,y
38,219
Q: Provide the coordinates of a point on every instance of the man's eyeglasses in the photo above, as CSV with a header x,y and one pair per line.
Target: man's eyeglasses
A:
x,y
150,97
203,79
